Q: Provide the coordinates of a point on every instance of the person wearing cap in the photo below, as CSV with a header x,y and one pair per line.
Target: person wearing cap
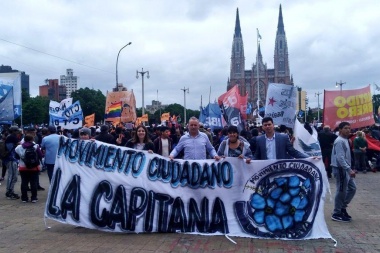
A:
x,y
84,133
11,142
50,146
104,136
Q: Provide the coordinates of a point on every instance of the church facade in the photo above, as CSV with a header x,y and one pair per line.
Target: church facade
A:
x,y
247,79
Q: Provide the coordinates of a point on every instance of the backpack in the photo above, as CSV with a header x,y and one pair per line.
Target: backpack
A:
x,y
31,158
3,150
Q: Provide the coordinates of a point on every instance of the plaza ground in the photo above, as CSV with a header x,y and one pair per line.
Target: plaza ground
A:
x,y
22,229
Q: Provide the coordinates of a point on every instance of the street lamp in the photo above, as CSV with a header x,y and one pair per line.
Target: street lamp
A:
x,y
340,84
306,107
117,61
317,94
142,73
184,104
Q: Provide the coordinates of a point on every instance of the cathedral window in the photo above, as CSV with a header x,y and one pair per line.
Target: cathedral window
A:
x,y
281,65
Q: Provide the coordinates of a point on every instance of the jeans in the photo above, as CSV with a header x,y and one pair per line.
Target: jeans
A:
x,y
50,171
345,189
360,160
12,175
26,178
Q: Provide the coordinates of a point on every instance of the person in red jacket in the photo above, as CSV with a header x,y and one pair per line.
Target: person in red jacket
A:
x,y
28,175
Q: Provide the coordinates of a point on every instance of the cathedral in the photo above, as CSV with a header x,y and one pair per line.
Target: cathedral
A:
x,y
247,79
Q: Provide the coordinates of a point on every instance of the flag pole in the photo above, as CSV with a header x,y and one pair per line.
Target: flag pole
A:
x,y
258,73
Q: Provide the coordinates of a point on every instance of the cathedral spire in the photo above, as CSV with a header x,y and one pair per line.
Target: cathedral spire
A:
x,y
280,26
237,25
237,57
281,56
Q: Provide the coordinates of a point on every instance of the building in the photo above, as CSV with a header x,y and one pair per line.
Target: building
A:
x,y
156,105
302,101
120,87
53,90
24,77
69,81
247,79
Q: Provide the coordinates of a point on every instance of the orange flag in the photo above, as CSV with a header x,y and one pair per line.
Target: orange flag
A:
x,y
165,116
144,118
90,120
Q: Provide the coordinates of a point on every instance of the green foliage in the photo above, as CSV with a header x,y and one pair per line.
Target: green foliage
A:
x,y
91,101
34,110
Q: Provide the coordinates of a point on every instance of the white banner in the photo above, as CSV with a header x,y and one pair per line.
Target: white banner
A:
x,y
66,114
281,104
305,142
111,188
57,108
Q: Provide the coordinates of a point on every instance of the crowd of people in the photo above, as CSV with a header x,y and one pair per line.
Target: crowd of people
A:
x,y
345,151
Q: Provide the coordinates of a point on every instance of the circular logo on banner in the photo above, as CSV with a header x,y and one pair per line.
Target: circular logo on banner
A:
x,y
285,199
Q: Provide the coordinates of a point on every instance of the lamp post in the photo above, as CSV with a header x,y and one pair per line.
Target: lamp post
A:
x,y
142,73
306,107
317,94
184,104
117,61
340,84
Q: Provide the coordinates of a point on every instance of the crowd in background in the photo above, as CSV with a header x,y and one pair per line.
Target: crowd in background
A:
x,y
162,140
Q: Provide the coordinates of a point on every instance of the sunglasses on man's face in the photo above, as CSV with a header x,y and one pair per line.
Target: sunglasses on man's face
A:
x,y
83,133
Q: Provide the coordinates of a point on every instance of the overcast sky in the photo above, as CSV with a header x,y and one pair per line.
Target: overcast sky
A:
x,y
187,44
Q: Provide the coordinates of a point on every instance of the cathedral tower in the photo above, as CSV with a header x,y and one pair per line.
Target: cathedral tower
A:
x,y
281,56
237,57
247,80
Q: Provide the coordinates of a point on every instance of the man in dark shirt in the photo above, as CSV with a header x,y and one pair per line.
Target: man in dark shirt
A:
x,y
104,136
326,140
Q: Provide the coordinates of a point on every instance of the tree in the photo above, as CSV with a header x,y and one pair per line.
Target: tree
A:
x,y
34,111
310,115
91,101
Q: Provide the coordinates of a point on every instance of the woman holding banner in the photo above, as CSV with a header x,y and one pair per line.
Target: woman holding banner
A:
x,y
234,146
360,151
140,140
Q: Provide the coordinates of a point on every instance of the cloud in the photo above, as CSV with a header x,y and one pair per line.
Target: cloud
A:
x,y
188,43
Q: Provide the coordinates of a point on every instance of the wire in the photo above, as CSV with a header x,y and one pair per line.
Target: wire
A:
x,y
55,56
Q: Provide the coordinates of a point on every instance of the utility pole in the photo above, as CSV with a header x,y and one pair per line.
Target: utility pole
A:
x,y
184,104
317,94
142,73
